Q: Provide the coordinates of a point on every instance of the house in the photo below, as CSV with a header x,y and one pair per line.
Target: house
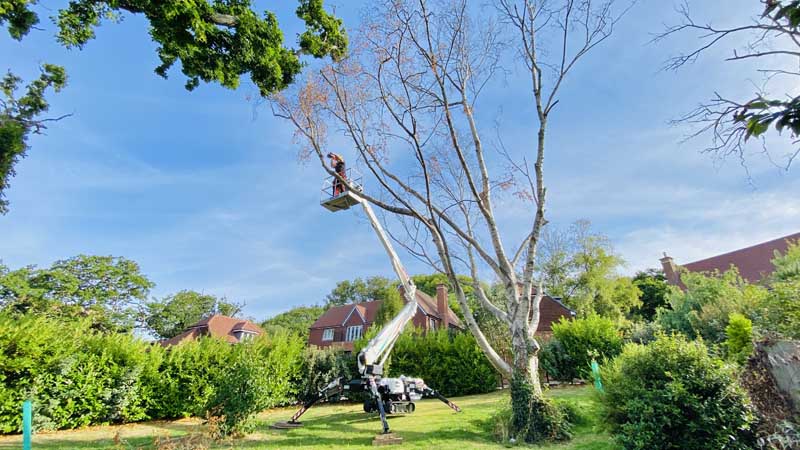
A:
x,y
754,263
231,329
551,310
341,325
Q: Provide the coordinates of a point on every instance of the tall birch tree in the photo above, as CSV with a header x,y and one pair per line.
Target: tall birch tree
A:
x,y
406,100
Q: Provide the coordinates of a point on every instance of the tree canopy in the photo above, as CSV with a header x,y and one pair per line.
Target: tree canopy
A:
x,y
106,289
296,320
173,314
580,267
359,290
20,117
213,40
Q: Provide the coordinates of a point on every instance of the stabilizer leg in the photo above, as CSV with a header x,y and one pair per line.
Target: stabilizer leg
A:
x,y
433,393
335,387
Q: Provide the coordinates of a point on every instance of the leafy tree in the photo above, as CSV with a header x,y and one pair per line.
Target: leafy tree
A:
x,y
20,116
772,37
214,41
359,291
579,266
787,266
106,289
297,321
172,315
653,287
704,308
392,304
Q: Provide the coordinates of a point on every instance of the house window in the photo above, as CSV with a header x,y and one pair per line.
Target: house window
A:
x,y
327,335
431,323
353,333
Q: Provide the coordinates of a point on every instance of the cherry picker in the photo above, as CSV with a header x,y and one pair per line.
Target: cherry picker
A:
x,y
382,395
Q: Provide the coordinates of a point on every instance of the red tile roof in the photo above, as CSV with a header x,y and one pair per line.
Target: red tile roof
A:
x,y
754,263
217,326
336,315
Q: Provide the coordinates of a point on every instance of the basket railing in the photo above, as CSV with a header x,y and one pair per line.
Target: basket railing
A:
x,y
354,180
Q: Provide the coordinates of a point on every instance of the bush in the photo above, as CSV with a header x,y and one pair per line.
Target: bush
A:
x,y
188,377
555,362
582,340
77,377
257,377
739,343
319,367
671,394
74,376
451,363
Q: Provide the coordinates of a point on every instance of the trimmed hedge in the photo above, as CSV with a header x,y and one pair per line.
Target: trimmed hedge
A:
x,y
77,377
451,363
671,394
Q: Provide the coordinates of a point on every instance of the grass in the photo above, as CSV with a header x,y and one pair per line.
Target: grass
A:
x,y
433,425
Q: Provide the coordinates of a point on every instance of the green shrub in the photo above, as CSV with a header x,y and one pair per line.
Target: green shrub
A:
x,y
671,394
739,343
74,376
257,377
188,377
319,367
555,361
584,339
451,363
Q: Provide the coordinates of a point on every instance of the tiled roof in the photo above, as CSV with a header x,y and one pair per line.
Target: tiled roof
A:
x,y
754,263
217,326
336,315
430,307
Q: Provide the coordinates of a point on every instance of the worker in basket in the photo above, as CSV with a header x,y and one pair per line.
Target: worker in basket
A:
x,y
337,163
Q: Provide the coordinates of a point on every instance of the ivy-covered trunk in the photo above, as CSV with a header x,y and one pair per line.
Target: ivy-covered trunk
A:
x,y
534,418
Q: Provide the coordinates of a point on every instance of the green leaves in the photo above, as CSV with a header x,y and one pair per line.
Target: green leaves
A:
x,y
671,394
215,41
20,116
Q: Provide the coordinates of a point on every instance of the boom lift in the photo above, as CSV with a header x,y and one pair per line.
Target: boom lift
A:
x,y
384,395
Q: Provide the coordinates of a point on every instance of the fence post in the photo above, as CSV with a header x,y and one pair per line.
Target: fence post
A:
x,y
26,425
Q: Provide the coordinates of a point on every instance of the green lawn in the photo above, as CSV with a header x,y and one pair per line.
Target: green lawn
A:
x,y
433,425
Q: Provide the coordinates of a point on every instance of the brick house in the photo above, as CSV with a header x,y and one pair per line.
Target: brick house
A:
x,y
551,310
231,329
754,263
341,325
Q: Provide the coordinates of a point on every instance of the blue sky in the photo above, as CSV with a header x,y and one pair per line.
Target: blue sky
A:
x,y
204,189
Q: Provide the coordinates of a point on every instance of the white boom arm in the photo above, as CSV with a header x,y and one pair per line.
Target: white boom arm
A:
x,y
379,347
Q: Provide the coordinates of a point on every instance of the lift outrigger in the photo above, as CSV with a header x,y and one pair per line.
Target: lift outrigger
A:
x,y
384,395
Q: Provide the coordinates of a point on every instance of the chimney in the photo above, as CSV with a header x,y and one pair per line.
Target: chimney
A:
x,y
670,270
442,305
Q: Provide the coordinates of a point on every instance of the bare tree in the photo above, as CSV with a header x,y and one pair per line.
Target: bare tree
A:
x,y
405,99
773,38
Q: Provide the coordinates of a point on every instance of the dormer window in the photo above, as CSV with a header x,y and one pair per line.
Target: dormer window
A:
x,y
243,335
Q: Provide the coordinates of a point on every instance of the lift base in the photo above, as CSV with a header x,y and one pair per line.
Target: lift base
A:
x,y
387,439
286,425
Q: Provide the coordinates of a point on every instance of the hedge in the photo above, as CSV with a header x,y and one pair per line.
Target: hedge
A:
x,y
451,363
78,377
